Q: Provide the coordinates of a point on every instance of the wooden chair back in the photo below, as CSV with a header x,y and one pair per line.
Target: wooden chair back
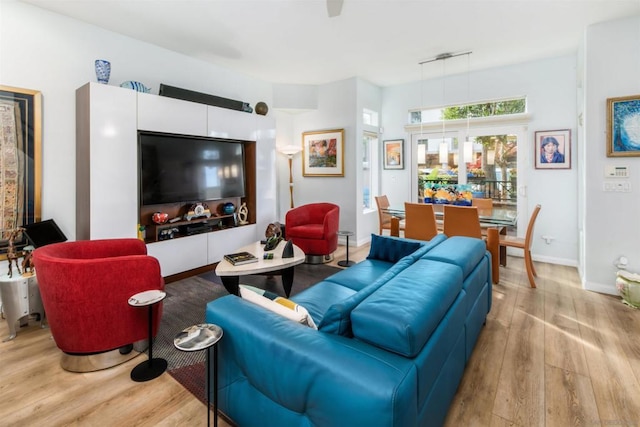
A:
x,y
420,221
485,206
384,218
462,221
528,238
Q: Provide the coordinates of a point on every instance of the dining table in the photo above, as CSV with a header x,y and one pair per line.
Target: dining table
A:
x,y
493,222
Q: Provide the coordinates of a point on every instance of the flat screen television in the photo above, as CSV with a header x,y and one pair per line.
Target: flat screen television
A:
x,y
182,168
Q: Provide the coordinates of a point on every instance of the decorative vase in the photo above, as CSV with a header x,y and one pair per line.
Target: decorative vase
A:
x,y
137,86
228,208
261,108
160,217
103,70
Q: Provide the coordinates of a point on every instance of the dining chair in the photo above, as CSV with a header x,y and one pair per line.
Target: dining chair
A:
x,y
420,221
485,206
465,221
462,221
383,217
525,245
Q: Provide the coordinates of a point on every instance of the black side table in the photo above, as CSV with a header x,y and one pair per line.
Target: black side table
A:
x,y
199,337
346,262
151,368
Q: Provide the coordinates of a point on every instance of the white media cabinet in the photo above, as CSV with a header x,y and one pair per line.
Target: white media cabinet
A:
x,y
108,119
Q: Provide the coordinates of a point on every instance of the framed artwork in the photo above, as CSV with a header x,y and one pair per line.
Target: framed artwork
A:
x,y
623,126
552,149
323,153
20,168
393,154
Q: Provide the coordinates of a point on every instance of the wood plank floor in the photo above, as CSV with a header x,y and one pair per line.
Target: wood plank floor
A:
x,y
551,356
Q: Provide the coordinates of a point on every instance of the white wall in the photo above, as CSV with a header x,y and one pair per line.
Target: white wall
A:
x,y
48,52
611,225
336,110
550,88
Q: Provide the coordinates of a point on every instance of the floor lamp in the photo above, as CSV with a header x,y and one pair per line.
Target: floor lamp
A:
x,y
290,151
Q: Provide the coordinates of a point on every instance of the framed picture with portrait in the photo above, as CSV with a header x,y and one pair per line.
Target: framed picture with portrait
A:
x,y
623,121
393,154
323,153
552,149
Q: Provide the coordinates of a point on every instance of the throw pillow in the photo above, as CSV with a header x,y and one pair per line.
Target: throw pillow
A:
x,y
282,306
391,249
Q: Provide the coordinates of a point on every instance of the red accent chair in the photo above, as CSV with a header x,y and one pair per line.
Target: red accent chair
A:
x,y
314,228
85,286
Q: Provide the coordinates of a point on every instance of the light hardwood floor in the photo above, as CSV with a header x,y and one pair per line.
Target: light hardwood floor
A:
x,y
551,356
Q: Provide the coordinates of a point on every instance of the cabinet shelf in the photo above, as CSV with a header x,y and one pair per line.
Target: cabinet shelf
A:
x,y
182,228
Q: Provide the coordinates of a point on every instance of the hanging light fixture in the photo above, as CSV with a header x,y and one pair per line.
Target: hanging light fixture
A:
x,y
444,149
468,142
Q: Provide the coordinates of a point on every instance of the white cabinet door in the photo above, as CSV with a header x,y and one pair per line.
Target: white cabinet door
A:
x,y
227,241
106,162
182,254
162,114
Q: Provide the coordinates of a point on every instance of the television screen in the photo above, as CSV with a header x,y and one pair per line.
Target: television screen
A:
x,y
179,168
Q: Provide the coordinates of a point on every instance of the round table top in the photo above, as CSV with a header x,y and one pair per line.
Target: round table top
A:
x,y
145,298
198,337
345,233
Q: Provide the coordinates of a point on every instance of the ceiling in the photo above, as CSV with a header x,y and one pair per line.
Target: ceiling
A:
x,y
381,41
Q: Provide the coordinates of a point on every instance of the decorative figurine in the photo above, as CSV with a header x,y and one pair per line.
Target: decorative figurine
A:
x,y
243,214
12,255
27,262
287,252
273,229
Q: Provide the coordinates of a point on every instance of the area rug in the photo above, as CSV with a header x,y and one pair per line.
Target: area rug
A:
x,y
185,305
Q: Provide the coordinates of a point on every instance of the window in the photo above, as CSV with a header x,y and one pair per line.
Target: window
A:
x,y
369,117
369,168
500,107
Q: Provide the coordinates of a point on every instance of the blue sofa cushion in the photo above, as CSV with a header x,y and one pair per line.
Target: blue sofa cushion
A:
x,y
465,252
401,315
366,277
391,249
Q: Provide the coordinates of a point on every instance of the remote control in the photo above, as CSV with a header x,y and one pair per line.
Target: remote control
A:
x,y
176,219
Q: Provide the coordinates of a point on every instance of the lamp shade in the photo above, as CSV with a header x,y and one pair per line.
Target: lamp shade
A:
x,y
444,152
289,150
468,151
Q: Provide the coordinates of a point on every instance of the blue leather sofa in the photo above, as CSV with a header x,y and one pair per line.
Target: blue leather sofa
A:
x,y
394,334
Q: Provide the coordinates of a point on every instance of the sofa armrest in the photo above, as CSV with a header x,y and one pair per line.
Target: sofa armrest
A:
x,y
329,379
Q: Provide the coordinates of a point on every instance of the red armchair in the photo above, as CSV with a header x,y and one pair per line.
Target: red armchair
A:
x,y
313,228
85,286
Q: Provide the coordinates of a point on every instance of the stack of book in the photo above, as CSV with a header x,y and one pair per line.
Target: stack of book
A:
x,y
241,258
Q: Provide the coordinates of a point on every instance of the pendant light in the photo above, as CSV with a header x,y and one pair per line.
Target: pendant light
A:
x,y
468,142
444,149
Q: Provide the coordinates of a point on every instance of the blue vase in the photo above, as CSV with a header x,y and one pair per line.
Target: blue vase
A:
x,y
103,70
228,208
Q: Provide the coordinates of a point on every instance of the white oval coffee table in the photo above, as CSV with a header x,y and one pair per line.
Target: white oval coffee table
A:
x,y
230,274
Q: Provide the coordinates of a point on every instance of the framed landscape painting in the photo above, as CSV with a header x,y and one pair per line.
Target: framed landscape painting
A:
x,y
552,149
623,126
323,153
393,154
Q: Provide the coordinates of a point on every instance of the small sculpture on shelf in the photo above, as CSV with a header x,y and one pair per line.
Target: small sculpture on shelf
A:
x,y
243,214
27,261
197,210
12,255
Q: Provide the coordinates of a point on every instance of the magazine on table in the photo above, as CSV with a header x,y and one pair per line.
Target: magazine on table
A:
x,y
240,258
